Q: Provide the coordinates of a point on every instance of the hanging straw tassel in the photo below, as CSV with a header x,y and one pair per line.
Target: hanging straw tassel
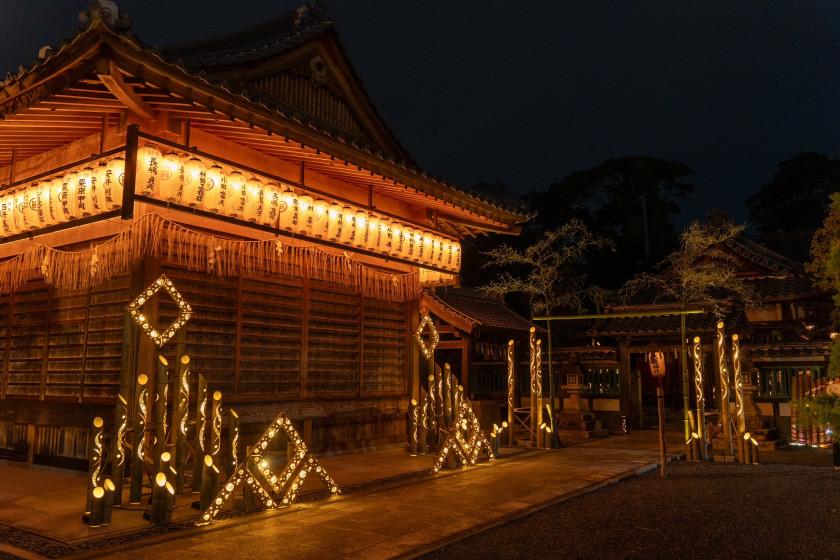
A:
x,y
152,235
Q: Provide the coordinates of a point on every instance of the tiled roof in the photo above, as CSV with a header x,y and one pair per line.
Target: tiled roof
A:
x,y
790,350
639,326
774,288
482,311
761,256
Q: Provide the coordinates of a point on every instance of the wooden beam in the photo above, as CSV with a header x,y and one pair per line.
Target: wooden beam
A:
x,y
113,80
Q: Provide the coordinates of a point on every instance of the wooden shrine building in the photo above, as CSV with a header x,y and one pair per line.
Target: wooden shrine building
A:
x,y
785,334
254,171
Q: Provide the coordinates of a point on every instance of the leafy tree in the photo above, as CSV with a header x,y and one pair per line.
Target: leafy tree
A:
x,y
629,200
700,273
548,272
798,196
825,266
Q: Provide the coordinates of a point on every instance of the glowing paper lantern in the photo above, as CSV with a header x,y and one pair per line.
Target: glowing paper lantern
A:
x,y
372,234
19,216
7,222
456,257
171,178
37,212
83,188
45,194
215,187
320,219
360,235
112,186
306,214
251,202
407,244
334,222
235,193
61,198
288,210
194,178
271,205
348,226
148,170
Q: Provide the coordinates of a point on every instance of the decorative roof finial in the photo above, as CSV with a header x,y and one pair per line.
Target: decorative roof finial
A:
x,y
107,12
313,10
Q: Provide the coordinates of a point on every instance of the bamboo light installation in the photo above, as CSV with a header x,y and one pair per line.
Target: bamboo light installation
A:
x,y
697,355
723,372
414,420
431,418
138,456
216,427
738,386
97,507
110,495
274,490
95,464
465,440
233,437
511,388
447,392
199,432
180,419
118,450
423,427
161,394
209,482
538,392
794,410
532,347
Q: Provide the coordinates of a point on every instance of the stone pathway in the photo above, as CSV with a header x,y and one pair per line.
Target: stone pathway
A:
x,y
417,516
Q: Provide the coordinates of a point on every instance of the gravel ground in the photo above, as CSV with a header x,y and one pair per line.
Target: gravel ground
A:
x,y
771,511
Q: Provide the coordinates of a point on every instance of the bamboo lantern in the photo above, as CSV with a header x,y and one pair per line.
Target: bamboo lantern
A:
x,y
511,388
95,464
532,366
723,373
271,205
306,216
118,448
320,219
423,423
360,232
215,190
288,210
200,429
250,202
738,386
413,420
209,481
195,175
697,355
181,417
138,456
538,389
110,497
158,512
233,437
97,511
161,394
216,426
234,197
148,170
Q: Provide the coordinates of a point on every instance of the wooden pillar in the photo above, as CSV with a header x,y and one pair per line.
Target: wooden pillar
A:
x,y
625,379
466,359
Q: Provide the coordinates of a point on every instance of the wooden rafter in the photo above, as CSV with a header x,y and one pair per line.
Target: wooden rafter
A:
x,y
113,80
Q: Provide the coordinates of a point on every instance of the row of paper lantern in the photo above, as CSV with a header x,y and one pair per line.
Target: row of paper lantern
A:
x,y
191,181
82,192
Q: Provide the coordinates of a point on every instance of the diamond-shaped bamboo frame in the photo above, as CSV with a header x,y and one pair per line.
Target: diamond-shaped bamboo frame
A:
x,y
427,350
160,337
273,490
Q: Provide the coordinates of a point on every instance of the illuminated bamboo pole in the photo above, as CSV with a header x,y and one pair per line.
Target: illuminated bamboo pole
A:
x,y
118,449
233,437
413,421
108,504
538,386
157,514
511,387
794,409
161,396
209,481
180,419
738,386
216,428
532,368
448,388
697,355
97,506
138,455
723,372
440,406
424,422
95,463
431,424
693,441
199,433
812,433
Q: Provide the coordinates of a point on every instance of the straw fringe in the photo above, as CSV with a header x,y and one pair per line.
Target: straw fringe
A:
x,y
153,235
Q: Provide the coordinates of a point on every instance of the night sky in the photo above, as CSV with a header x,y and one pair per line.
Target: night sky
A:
x,y
525,92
